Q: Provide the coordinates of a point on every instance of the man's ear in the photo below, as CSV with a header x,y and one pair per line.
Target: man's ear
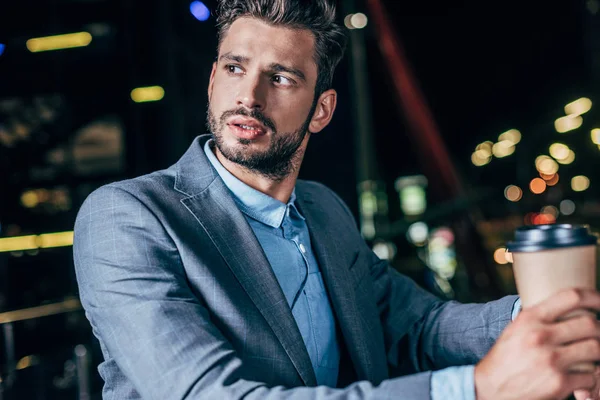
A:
x,y
324,111
212,80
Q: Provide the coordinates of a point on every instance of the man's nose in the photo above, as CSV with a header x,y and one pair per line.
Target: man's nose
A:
x,y
252,94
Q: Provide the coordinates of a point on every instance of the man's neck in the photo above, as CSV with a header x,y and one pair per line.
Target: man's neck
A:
x,y
280,190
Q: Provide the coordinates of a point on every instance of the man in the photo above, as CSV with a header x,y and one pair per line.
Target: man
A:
x,y
225,277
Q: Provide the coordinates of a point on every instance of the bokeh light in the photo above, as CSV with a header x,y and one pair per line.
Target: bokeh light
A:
x,y
200,11
596,136
537,186
553,179
569,160
580,183
546,165
513,193
559,151
567,207
500,256
550,210
503,148
579,106
512,135
568,123
480,158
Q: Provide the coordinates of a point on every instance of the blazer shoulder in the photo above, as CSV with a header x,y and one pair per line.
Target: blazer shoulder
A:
x,y
322,193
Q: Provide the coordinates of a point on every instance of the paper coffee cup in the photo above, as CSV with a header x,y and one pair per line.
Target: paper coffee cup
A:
x,y
551,258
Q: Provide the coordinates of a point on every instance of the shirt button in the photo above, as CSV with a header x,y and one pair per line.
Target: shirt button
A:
x,y
302,248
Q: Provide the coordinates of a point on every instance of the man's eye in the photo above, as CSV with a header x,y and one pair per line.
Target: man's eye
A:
x,y
234,69
282,80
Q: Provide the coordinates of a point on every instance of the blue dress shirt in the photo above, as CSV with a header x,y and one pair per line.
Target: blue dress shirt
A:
x,y
284,237
283,234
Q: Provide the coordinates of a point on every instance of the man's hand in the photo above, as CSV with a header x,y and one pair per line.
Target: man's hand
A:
x,y
532,357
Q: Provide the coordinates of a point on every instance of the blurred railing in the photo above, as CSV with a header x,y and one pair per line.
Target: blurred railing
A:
x,y
77,371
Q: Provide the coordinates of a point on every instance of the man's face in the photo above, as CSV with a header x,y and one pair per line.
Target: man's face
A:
x,y
262,96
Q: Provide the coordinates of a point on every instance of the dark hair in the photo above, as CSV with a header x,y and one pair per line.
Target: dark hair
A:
x,y
318,16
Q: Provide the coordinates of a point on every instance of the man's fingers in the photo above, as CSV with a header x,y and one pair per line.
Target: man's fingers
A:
x,y
581,382
575,329
565,302
587,351
582,395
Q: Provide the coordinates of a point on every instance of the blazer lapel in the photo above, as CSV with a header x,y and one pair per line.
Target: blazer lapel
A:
x,y
335,256
216,211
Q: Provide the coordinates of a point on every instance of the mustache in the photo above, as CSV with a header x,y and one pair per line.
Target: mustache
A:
x,y
257,115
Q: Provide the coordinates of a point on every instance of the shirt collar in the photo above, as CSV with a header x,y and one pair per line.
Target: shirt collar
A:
x,y
250,201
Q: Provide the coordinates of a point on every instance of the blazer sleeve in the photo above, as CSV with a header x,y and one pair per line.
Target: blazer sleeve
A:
x,y
423,332
134,290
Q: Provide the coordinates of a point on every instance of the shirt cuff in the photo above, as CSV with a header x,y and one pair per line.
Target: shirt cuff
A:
x,y
516,309
454,383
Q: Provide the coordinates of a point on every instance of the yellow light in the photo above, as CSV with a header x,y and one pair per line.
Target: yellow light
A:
x,y
484,150
578,107
480,158
569,160
568,123
30,199
512,135
503,149
559,151
545,165
580,183
60,239
539,160
537,186
32,242
596,136
500,256
146,94
58,42
18,243
513,193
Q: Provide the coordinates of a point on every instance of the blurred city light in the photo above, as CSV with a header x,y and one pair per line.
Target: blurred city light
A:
x,y
480,158
31,242
537,185
2,47
146,94
551,180
503,149
486,146
559,151
513,193
500,256
356,21
570,158
568,123
413,200
578,107
512,135
385,250
200,11
59,42
546,165
596,136
417,233
567,207
544,219
580,183
550,210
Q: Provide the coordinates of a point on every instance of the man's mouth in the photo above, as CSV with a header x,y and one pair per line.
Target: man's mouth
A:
x,y
247,128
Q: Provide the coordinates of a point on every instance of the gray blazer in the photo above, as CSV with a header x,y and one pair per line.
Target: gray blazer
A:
x,y
185,304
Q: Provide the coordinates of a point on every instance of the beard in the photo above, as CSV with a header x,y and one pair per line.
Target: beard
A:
x,y
278,161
